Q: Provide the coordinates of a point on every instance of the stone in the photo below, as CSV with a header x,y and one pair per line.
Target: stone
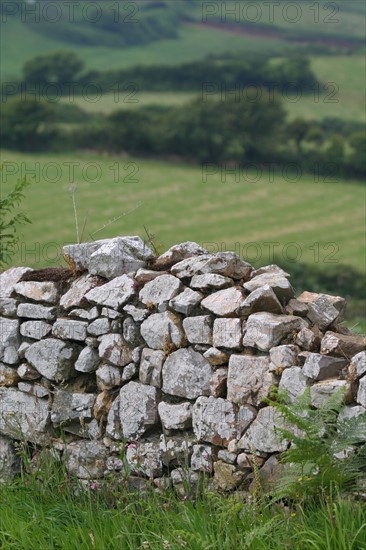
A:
x,y
87,361
27,372
150,367
53,358
201,459
294,382
266,330
87,314
244,461
358,364
263,435
342,345
186,373
129,372
186,302
226,476
138,314
9,278
227,333
324,309
9,460
99,327
272,268
114,294
222,263
361,394
110,258
68,406
144,458
8,375
22,349
246,415
37,291
114,349
321,367
23,416
144,276
218,382
224,303
8,307
138,409
75,296
249,379
216,356
35,329
308,339
131,332
175,416
102,405
261,299
34,389
160,290
86,459
321,391
271,473
295,307
283,357
214,420
108,377
111,313
175,450
209,281
161,330
225,456
68,329
9,340
279,284
198,329
36,311
177,253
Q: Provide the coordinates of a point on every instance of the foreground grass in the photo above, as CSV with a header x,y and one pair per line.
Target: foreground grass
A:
x,y
49,516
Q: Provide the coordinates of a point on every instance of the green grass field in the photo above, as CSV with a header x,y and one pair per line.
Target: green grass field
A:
x,y
176,205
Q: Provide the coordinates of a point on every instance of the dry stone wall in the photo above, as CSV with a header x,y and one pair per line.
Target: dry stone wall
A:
x,y
164,363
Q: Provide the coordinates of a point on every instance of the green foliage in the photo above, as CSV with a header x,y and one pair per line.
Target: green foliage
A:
x,y
358,156
326,451
58,68
10,221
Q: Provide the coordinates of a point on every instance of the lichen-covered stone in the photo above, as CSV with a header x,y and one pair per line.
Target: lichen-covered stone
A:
x,y
294,382
144,458
227,333
23,416
68,329
223,263
8,375
321,391
323,308
114,294
321,367
35,329
8,306
214,420
266,330
53,359
201,459
177,253
131,332
227,477
9,278
224,303
216,356
218,382
186,302
114,349
283,357
198,329
361,394
9,340
74,297
27,372
138,410
279,284
87,361
108,377
160,290
261,299
36,311
160,330
176,450
68,406
186,373
175,416
249,379
86,459
209,281
309,339
37,291
150,367
358,364
9,460
99,327
343,345
263,433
